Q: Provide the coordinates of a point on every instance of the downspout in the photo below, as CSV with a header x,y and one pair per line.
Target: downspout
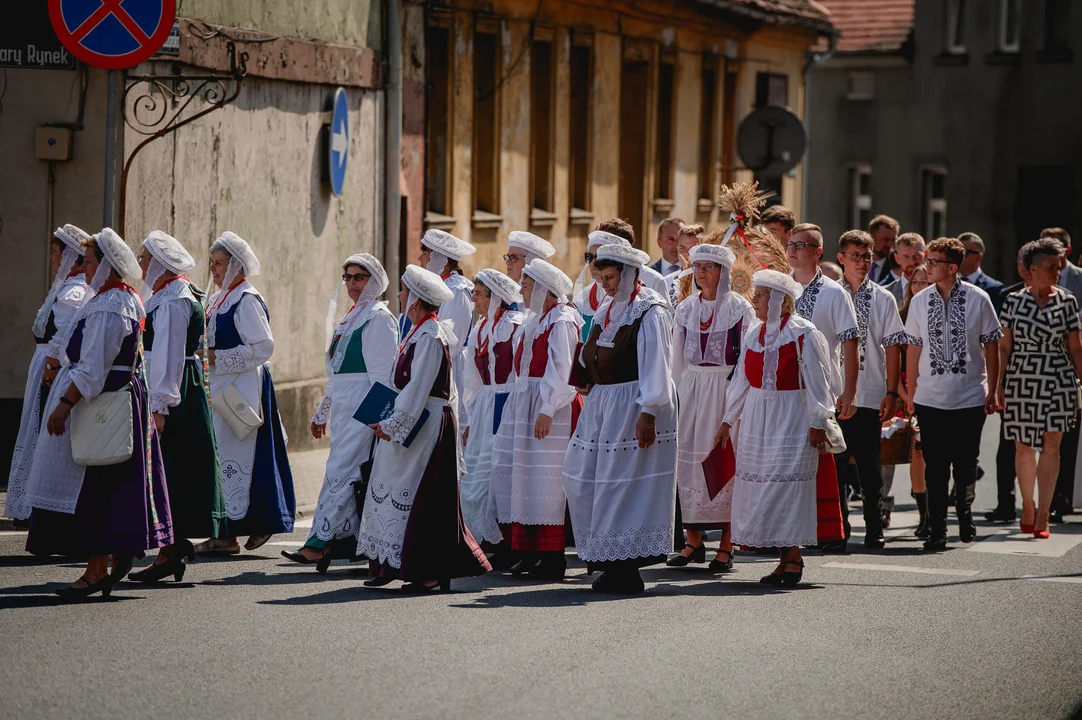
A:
x,y
813,60
112,114
392,190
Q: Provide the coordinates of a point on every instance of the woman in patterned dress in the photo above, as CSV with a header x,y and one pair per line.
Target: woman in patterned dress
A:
x,y
1041,357
360,351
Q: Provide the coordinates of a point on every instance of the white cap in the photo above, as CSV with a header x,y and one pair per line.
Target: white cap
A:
x,y
623,254
712,253
447,244
535,247
778,281
500,285
118,254
600,237
239,250
72,236
551,277
379,280
168,251
426,285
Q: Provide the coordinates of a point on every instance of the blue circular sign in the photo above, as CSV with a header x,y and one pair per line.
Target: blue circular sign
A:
x,y
338,147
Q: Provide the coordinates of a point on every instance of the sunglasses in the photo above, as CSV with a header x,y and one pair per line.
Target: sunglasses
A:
x,y
346,277
589,257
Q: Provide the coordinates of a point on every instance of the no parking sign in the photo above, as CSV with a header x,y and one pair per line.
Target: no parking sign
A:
x,y
112,34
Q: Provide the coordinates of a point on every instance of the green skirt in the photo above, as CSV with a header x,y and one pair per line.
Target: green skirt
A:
x,y
193,473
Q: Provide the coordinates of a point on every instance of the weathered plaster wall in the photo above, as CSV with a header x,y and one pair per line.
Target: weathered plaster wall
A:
x,y
255,167
33,98
346,22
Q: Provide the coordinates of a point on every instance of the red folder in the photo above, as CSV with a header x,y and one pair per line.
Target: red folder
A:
x,y
719,467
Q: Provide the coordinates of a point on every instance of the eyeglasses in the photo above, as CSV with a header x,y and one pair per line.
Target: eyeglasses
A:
x,y
859,257
589,257
935,262
800,245
704,266
514,258
346,277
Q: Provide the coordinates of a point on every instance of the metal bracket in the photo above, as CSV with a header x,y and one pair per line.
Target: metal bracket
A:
x,y
149,113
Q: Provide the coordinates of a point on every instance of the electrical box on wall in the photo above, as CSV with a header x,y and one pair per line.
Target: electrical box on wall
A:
x,y
52,143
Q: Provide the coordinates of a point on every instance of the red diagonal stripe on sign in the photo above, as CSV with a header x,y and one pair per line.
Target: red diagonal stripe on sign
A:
x,y
110,7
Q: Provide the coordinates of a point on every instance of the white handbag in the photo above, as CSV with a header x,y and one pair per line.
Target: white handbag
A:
x,y
237,413
835,438
101,430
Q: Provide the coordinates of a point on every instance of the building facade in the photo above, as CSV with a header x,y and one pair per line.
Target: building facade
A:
x,y
964,118
553,116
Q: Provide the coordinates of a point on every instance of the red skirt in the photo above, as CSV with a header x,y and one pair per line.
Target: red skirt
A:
x,y
827,501
537,538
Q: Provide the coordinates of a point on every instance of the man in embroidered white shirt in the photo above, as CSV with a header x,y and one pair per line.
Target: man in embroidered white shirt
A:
x,y
953,336
830,309
880,337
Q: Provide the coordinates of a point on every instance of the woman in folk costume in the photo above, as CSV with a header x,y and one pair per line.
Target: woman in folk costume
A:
x,y
172,337
706,349
259,499
781,396
522,249
68,293
360,352
411,526
540,415
487,382
620,463
119,509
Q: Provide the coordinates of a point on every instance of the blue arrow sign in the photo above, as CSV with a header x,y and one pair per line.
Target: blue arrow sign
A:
x,y
338,147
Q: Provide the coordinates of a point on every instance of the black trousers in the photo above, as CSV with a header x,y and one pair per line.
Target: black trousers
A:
x,y
1064,500
1005,472
862,438
950,439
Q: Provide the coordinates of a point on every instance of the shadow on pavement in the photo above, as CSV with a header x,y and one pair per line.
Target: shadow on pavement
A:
x,y
51,600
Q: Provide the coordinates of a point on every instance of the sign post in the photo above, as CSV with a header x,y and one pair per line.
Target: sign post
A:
x,y
338,147
111,34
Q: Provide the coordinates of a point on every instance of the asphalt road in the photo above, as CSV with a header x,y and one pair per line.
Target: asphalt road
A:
x,y
988,630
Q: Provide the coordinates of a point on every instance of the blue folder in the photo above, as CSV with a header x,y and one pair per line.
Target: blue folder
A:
x,y
378,405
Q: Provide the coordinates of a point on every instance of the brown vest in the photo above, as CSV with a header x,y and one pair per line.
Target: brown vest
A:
x,y
618,364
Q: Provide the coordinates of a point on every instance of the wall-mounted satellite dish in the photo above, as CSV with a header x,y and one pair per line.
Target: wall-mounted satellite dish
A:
x,y
771,141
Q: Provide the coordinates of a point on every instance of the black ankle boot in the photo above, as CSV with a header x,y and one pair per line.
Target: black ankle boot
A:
x,y
923,530
552,566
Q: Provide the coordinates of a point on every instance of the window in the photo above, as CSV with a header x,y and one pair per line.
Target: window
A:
x,y
954,39
771,89
934,202
1008,26
579,115
707,134
486,146
665,103
860,196
860,86
437,120
541,106
1057,26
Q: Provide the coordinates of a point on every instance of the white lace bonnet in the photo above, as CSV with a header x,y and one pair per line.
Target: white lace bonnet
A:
x,y
500,285
551,277
712,253
426,285
236,247
623,254
447,245
535,247
168,251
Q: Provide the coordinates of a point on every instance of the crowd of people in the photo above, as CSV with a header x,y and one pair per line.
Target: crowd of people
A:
x,y
519,412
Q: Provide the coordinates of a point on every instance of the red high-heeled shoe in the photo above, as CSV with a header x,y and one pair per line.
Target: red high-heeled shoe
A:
x,y
1030,527
1041,534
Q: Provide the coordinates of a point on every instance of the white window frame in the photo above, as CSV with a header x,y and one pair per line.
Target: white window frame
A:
x,y
858,202
931,206
953,19
1006,44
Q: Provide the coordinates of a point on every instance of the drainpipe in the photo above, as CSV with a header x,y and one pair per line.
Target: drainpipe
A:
x,y
813,60
112,111
392,190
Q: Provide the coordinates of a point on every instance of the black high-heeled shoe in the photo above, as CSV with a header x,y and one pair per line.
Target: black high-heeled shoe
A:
x,y
553,566
378,581
775,577
324,564
524,565
419,588
104,586
298,557
792,578
723,566
173,566
698,555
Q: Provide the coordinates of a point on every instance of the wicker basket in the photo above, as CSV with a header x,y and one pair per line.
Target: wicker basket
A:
x,y
898,448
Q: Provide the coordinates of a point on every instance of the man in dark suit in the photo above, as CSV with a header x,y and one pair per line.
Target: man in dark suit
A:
x,y
667,234
884,232
971,269
1070,279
